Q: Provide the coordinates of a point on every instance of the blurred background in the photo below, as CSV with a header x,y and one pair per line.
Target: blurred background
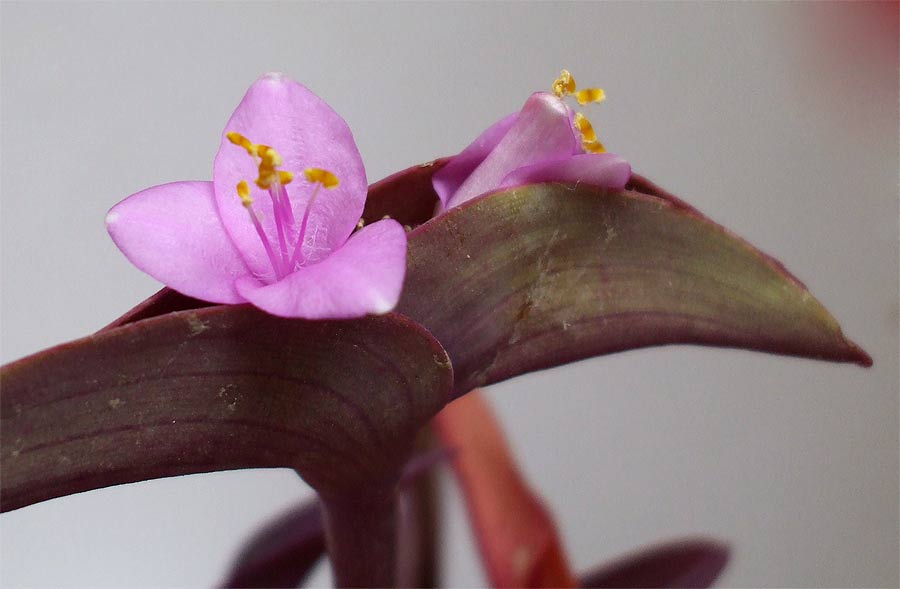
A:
x,y
778,120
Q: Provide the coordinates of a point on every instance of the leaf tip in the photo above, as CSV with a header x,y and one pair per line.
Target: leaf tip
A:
x,y
857,355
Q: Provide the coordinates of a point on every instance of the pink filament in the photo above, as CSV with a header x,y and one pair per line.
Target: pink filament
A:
x,y
284,219
298,247
265,240
279,195
286,209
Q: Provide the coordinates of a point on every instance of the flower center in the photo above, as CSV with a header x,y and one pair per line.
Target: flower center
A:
x,y
285,252
565,86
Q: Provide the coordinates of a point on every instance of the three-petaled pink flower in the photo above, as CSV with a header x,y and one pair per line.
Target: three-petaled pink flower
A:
x,y
544,142
274,226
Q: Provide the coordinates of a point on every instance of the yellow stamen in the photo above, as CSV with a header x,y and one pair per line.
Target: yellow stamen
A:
x,y
584,125
593,147
564,84
590,95
239,139
589,136
268,160
268,155
323,177
243,191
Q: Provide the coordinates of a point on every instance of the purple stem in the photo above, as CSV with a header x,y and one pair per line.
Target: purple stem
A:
x,y
362,540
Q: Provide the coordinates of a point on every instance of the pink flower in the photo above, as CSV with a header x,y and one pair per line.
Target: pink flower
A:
x,y
544,142
282,241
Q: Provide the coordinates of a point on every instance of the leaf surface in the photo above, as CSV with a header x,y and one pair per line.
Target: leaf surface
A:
x,y
220,388
406,196
541,275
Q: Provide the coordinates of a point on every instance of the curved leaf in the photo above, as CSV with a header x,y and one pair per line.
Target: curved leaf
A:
x,y
216,389
675,565
406,196
516,535
159,303
282,553
541,275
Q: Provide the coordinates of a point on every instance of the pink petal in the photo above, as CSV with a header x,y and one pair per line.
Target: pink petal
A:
x,y
307,133
449,178
542,132
606,170
172,232
363,277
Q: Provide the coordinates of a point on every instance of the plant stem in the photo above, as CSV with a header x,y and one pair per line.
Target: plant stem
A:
x,y
361,537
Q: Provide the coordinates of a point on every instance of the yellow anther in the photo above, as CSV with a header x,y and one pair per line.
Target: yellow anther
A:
x,y
267,158
239,139
593,147
243,190
588,135
590,95
564,84
268,155
267,174
323,177
584,125
265,178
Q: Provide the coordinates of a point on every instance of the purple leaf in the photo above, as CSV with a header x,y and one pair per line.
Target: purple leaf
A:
x,y
682,564
407,196
541,275
161,302
230,387
283,553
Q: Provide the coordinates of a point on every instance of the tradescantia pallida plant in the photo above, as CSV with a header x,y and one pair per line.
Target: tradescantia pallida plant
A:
x,y
314,324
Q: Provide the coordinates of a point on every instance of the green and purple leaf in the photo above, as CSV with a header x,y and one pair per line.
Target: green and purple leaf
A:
x,y
518,280
540,275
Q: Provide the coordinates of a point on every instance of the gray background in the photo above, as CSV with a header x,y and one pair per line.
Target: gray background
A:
x,y
778,120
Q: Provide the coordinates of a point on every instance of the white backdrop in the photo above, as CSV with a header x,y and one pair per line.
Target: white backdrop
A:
x,y
777,120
